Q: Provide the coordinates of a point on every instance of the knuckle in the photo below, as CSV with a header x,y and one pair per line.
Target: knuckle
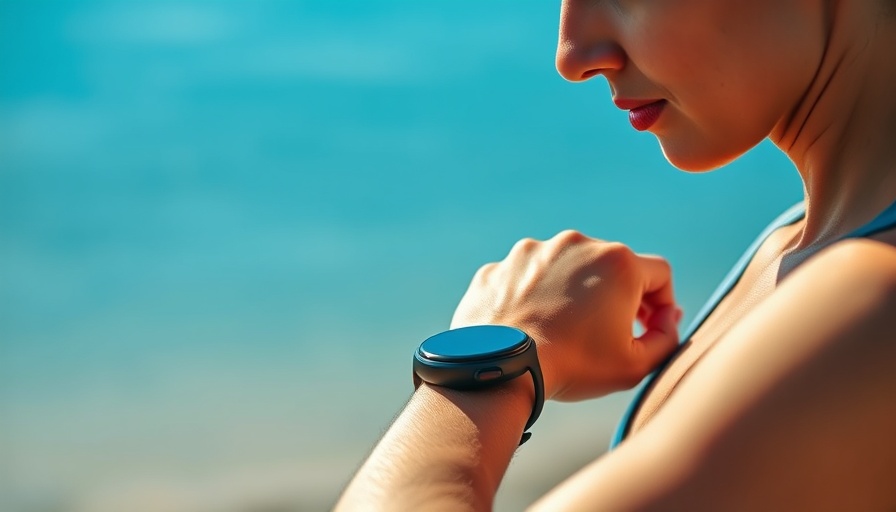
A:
x,y
524,245
483,272
661,262
570,236
618,256
619,249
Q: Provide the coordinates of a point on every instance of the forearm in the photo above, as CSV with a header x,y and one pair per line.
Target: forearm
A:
x,y
447,450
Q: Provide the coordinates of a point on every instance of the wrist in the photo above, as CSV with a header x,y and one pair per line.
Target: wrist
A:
x,y
469,435
504,407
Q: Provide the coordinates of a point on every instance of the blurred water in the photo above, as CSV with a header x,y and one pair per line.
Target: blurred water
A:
x,y
225,225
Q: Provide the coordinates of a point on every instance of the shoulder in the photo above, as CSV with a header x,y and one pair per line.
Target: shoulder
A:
x,y
842,299
797,408
859,258
853,281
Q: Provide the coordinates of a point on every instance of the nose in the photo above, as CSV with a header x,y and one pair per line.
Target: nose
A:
x,y
586,46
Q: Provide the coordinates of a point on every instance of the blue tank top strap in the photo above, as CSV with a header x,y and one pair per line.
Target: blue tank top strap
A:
x,y
793,214
883,222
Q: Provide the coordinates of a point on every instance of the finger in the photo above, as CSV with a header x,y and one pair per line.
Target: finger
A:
x,y
657,280
660,338
645,311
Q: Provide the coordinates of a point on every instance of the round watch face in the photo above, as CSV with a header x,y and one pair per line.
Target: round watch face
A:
x,y
475,342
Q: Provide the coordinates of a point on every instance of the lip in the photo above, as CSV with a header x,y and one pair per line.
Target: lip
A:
x,y
641,113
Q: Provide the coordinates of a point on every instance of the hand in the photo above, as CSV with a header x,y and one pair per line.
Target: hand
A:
x,y
579,297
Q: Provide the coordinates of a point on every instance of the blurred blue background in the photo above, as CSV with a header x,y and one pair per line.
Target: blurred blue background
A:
x,y
224,226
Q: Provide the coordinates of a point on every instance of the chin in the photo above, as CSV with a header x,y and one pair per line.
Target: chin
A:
x,y
696,160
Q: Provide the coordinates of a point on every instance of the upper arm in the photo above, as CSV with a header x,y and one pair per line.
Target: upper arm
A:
x,y
796,409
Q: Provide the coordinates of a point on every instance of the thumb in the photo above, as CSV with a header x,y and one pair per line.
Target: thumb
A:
x,y
660,338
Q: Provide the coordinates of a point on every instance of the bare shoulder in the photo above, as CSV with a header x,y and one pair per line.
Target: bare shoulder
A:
x,y
857,258
797,409
794,411
853,281
801,404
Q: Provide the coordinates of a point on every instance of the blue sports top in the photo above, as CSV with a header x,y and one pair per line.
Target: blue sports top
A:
x,y
884,221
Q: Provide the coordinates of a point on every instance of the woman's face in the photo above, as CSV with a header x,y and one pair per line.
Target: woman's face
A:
x,y
726,71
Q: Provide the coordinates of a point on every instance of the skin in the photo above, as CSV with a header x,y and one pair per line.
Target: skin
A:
x,y
792,408
692,53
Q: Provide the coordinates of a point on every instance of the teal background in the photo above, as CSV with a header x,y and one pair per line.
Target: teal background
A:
x,y
225,226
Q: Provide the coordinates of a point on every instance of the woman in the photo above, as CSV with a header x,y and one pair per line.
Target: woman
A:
x,y
783,398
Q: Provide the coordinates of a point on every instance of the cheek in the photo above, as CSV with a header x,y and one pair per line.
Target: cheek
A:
x,y
709,94
729,81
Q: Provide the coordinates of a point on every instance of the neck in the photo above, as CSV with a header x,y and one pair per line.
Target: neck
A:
x,y
842,134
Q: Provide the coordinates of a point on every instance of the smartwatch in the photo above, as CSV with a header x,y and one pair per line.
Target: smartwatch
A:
x,y
480,357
